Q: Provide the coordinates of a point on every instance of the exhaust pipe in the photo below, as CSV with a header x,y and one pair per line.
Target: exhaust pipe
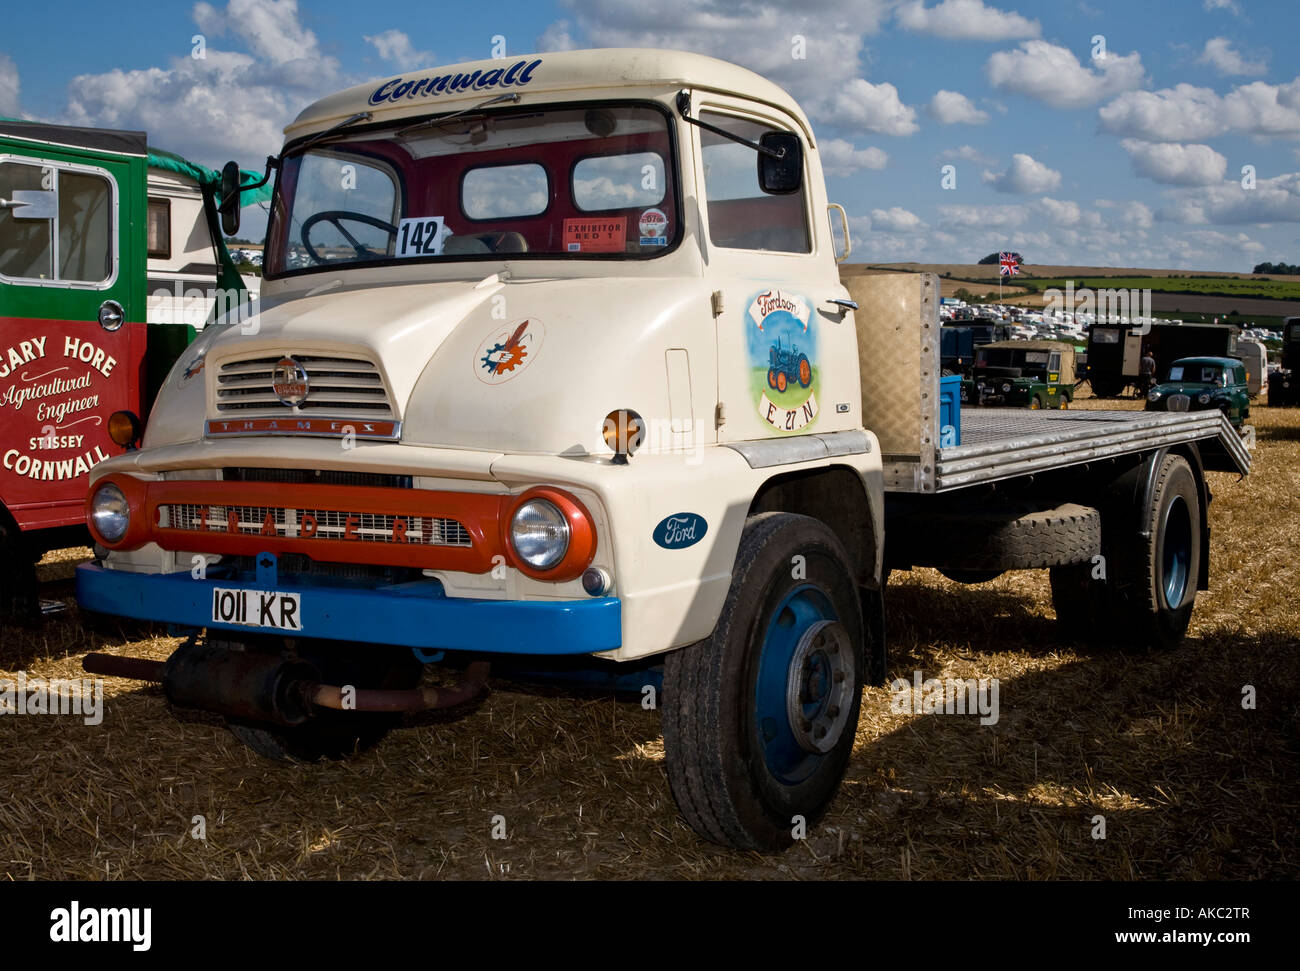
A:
x,y
271,688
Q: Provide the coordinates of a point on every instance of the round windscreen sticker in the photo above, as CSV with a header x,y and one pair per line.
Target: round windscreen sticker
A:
x,y
654,228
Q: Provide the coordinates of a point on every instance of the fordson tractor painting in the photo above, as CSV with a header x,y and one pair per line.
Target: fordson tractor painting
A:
x,y
788,366
782,353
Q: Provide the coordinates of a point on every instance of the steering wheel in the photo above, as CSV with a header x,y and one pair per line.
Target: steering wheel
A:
x,y
336,217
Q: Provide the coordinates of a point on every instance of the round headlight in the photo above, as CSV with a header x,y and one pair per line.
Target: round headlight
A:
x,y
539,534
1203,398
1153,395
110,513
1006,388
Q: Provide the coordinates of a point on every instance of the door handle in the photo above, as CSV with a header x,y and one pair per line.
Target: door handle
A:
x,y
843,303
111,315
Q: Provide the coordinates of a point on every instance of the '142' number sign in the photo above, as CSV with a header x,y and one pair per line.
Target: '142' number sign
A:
x,y
420,236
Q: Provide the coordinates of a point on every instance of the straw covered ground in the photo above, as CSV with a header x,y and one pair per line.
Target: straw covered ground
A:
x,y
1191,784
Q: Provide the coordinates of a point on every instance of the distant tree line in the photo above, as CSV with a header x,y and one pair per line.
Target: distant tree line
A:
x,y
1284,269
993,259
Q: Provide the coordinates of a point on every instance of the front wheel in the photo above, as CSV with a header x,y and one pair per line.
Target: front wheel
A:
x,y
760,717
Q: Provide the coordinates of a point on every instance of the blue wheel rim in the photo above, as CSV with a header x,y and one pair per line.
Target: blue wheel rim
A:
x,y
1176,558
798,611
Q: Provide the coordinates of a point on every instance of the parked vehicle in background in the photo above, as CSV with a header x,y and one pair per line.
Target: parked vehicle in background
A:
x,y
1021,374
1203,384
1284,383
86,215
1254,355
1115,350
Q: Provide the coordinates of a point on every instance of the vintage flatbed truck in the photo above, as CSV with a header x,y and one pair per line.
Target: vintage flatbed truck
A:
x,y
511,391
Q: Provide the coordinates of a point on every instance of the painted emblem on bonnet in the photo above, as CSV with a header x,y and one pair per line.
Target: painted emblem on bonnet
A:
x,y
503,354
289,382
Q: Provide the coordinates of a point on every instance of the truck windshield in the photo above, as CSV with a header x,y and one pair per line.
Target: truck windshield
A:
x,y
595,181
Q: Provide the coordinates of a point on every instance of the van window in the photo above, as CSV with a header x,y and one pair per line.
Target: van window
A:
x,y
79,236
159,229
505,191
742,215
618,181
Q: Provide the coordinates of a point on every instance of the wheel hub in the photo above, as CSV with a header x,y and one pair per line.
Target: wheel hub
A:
x,y
818,686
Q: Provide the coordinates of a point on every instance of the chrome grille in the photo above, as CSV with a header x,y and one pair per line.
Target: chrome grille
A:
x,y
1178,402
337,385
289,523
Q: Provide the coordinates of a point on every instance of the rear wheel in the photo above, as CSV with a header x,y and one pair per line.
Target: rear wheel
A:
x,y
1036,403
1143,590
760,717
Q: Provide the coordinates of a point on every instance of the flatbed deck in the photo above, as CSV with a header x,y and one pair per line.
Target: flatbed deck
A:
x,y
1002,443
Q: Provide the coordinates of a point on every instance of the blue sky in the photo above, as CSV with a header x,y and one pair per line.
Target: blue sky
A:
x,y
1131,158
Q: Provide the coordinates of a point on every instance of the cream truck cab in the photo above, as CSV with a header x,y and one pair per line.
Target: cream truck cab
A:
x,y
553,358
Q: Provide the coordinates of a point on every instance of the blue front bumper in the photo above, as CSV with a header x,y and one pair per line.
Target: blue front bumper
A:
x,y
415,614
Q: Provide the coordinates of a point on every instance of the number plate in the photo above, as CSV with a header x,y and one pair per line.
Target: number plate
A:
x,y
272,609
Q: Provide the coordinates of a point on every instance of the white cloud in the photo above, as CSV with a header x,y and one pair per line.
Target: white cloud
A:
x,y
952,108
1186,113
982,217
1228,5
227,103
896,219
1053,74
968,153
9,86
841,157
1175,164
965,20
396,48
1220,55
1025,176
556,37
870,107
1271,201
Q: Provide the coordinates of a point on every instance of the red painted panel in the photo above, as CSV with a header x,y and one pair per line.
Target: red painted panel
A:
x,y
59,382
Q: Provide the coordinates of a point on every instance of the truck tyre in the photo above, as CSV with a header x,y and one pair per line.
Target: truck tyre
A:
x,y
760,717
333,734
1012,538
19,597
1146,597
1036,403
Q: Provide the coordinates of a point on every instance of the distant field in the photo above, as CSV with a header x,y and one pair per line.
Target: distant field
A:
x,y
989,272
1283,289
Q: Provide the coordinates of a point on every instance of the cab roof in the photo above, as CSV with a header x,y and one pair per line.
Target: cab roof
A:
x,y
599,73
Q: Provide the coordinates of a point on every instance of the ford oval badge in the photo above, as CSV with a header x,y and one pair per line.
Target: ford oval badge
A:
x,y
680,531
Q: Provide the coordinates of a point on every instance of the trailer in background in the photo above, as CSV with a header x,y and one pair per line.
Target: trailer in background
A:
x,y
1115,350
1284,383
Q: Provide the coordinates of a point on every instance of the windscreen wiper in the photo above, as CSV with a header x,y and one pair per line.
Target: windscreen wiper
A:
x,y
512,97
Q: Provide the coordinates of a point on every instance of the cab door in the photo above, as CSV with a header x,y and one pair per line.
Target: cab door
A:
x,y
71,319
786,355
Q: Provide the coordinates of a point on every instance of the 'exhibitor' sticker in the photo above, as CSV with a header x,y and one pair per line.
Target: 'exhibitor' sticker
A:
x,y
603,235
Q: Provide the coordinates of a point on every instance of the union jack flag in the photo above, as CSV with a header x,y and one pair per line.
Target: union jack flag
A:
x,y
1008,264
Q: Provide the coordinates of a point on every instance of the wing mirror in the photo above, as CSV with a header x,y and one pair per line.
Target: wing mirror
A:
x,y
780,163
230,185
